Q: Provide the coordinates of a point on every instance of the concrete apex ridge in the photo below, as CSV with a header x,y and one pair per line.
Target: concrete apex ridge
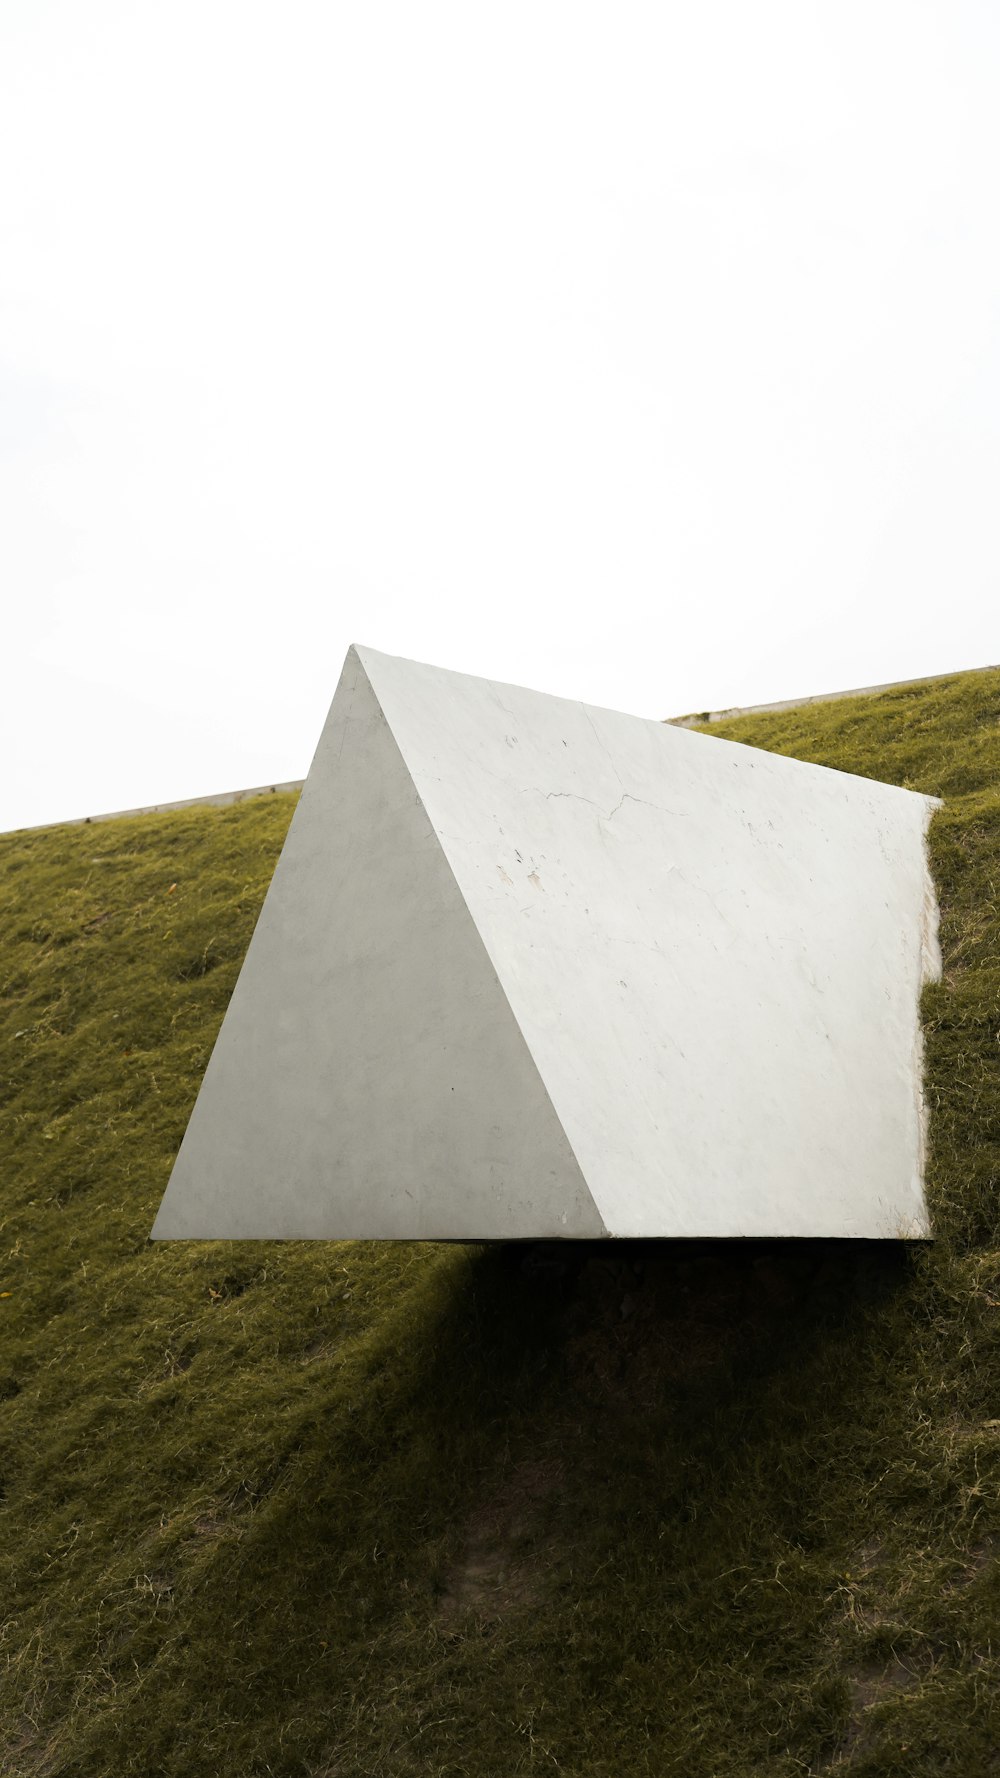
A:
x,y
529,968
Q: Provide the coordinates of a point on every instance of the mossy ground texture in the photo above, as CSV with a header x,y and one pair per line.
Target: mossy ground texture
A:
x,y
359,1509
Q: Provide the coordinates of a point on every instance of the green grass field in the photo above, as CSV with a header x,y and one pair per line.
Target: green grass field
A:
x,y
374,1510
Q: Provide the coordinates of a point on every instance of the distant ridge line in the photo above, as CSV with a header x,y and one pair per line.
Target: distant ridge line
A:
x,y
223,798
220,800
696,719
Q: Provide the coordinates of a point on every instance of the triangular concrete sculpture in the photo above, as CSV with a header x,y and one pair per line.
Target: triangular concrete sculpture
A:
x,y
529,969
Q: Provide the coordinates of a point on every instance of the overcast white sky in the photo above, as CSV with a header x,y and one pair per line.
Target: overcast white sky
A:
x,y
642,353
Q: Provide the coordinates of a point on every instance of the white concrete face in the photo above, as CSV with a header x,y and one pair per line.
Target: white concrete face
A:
x,y
528,968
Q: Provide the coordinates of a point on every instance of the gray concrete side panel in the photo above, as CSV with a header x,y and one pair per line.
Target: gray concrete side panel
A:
x,y
370,1079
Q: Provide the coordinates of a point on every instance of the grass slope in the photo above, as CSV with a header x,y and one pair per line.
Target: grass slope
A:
x,y
386,1510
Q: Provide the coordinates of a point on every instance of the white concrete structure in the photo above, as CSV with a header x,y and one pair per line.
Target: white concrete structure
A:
x,y
532,969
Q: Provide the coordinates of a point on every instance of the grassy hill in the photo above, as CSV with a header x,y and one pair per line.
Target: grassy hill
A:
x,y
352,1509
